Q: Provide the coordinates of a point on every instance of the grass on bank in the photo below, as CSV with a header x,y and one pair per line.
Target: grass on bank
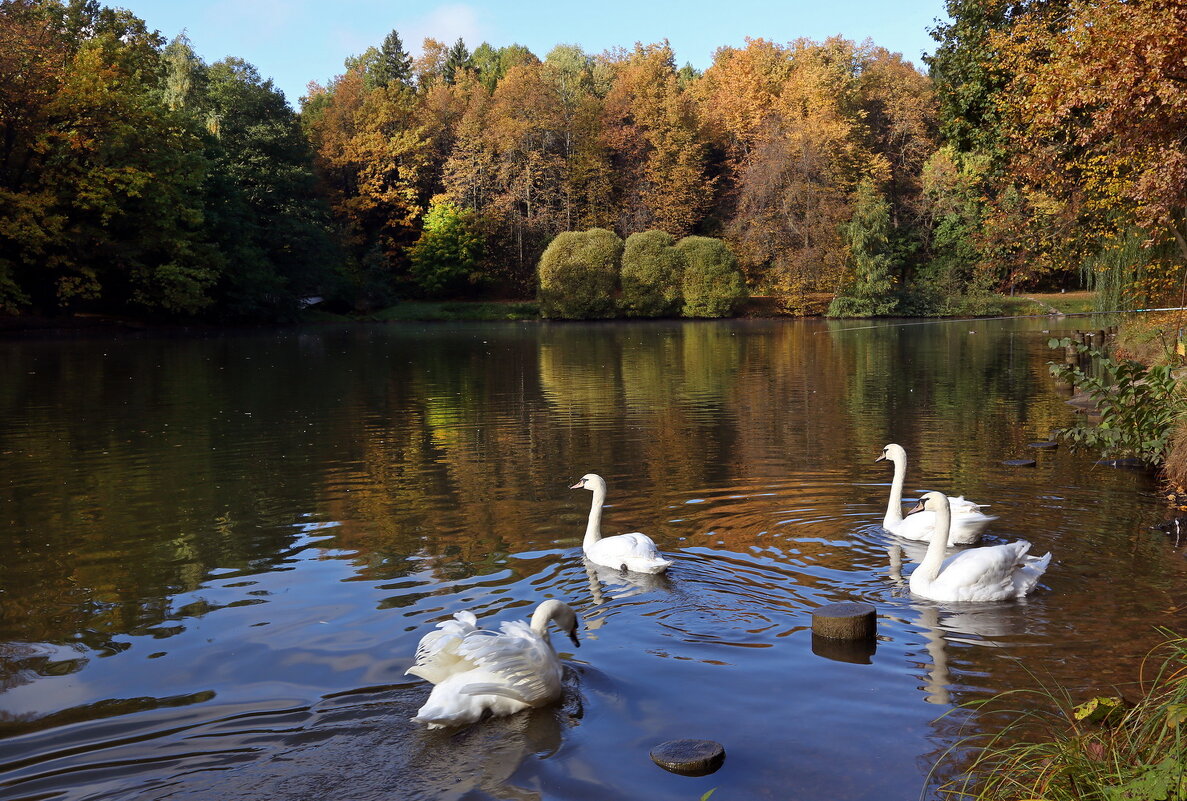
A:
x,y
436,311
1045,302
1108,748
462,310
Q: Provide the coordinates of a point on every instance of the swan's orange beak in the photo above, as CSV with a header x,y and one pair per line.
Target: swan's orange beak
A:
x,y
916,508
881,458
578,485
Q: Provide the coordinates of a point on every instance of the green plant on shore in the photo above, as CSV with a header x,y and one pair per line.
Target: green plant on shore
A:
x,y
1102,750
1138,405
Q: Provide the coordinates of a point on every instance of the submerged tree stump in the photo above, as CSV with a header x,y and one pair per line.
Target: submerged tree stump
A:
x,y
689,757
845,621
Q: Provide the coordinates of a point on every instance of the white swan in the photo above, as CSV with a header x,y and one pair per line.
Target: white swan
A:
x,y
991,573
632,551
967,518
479,672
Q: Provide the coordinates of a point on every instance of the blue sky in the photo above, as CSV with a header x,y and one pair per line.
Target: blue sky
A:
x,y
297,41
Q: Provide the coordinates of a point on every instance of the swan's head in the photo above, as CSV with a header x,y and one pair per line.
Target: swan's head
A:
x,y
560,612
931,502
892,452
590,481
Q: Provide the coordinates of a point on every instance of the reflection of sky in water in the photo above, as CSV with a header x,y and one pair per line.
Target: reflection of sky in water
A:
x,y
239,558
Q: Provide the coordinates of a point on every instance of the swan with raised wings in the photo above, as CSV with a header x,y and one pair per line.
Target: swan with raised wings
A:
x,y
480,672
633,551
989,573
968,521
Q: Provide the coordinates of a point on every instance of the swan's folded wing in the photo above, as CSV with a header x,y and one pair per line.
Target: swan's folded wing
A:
x,y
526,663
960,506
627,546
437,654
983,568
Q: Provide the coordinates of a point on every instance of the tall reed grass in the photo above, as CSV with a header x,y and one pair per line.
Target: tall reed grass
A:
x,y
1057,748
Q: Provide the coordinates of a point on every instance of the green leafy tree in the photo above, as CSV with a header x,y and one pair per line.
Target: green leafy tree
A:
x,y
870,289
263,205
652,269
712,284
578,274
447,255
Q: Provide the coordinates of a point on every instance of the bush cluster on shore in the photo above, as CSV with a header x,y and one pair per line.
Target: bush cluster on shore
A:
x,y
595,275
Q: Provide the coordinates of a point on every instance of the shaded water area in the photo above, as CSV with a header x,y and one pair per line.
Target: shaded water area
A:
x,y
220,551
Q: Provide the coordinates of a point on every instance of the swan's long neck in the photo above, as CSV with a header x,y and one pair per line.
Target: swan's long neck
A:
x,y
544,613
894,507
593,529
937,548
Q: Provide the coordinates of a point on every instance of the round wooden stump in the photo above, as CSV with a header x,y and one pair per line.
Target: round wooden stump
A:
x,y
845,621
689,757
1020,463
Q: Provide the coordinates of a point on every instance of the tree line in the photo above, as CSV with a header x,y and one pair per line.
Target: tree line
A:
x,y
134,177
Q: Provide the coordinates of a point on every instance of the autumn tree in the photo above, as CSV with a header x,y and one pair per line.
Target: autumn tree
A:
x,y
1095,119
100,200
370,154
652,132
528,205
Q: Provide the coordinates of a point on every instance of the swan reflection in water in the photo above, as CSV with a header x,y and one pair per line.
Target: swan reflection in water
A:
x,y
485,757
609,584
977,625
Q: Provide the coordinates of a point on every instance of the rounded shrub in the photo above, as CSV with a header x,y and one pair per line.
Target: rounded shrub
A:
x,y
652,268
578,274
712,285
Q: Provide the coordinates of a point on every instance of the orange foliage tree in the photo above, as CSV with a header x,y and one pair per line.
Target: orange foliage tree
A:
x,y
1095,117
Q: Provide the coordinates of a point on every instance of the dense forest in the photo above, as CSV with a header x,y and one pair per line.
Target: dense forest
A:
x,y
1042,148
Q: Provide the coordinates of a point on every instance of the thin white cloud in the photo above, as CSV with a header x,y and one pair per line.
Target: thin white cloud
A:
x,y
446,23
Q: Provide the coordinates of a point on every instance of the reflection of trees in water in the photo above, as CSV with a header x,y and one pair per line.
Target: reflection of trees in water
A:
x,y
904,374
440,450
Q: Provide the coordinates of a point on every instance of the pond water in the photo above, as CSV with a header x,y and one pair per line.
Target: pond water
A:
x,y
221,550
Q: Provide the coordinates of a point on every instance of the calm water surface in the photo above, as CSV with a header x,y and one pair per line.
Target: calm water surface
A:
x,y
219,553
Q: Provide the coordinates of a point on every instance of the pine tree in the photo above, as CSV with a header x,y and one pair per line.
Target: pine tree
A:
x,y
870,293
395,65
457,58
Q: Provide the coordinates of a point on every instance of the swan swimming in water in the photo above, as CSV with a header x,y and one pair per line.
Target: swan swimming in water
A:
x,y
990,573
632,551
479,672
967,518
